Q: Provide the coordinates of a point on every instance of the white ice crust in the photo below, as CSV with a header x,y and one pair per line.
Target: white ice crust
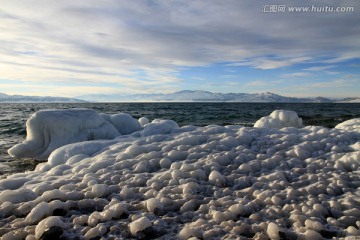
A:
x,y
211,182
279,119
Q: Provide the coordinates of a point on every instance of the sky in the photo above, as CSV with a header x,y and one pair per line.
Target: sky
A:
x,y
70,48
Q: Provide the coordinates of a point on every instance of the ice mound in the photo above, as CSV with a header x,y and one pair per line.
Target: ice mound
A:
x,y
171,182
279,119
350,125
159,126
48,130
123,122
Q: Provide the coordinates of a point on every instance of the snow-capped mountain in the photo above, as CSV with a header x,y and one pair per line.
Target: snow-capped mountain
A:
x,y
34,99
198,96
351,100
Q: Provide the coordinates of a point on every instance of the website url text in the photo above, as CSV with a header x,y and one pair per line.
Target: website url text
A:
x,y
302,9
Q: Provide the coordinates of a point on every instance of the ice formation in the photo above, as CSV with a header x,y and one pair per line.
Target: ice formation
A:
x,y
48,130
279,119
212,182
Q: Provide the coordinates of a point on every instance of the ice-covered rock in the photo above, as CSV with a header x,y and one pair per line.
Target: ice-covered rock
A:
x,y
139,225
211,182
48,130
279,119
49,228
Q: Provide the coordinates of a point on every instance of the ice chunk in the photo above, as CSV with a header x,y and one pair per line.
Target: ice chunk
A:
x,y
12,183
53,224
177,155
139,225
143,121
273,231
99,190
350,125
165,163
37,213
48,130
95,232
217,178
189,232
310,234
279,119
17,196
350,161
153,205
314,225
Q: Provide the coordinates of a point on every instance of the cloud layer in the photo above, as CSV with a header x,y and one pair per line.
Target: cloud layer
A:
x,y
141,46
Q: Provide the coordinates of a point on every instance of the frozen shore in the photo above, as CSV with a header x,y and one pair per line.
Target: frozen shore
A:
x,y
277,180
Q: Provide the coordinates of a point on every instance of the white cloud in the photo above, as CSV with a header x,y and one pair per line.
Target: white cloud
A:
x,y
259,83
296,74
320,68
112,41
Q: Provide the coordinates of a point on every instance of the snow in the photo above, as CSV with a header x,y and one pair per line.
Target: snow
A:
x,y
169,182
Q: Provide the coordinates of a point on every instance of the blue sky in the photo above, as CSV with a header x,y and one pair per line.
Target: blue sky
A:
x,y
71,48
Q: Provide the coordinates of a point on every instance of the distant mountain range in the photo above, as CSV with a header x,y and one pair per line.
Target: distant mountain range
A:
x,y
204,96
182,96
4,98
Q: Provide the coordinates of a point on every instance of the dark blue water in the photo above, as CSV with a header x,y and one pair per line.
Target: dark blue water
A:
x,y
13,117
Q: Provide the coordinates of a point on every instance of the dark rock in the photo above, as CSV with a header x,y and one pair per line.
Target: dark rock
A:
x,y
87,210
159,212
4,231
126,234
53,233
59,212
147,233
95,238
284,236
328,234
